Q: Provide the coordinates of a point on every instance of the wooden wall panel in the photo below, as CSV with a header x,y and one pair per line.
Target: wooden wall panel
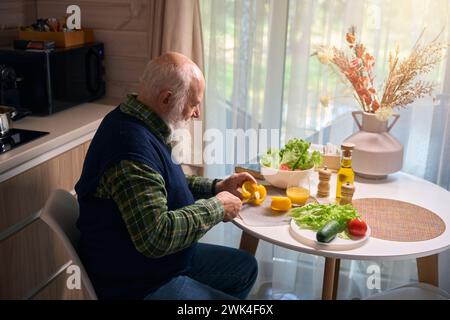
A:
x,y
13,14
117,89
132,44
29,258
102,14
125,69
25,194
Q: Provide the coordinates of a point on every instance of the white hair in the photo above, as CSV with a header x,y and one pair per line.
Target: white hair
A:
x,y
166,75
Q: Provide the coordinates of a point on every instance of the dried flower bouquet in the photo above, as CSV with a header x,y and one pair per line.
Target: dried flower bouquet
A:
x,y
400,87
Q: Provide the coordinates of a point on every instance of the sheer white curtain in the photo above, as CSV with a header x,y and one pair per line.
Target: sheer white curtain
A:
x,y
382,25
260,74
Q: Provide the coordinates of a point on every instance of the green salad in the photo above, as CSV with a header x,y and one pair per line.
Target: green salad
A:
x,y
315,216
295,155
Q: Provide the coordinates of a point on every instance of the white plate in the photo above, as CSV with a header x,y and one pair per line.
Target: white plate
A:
x,y
308,237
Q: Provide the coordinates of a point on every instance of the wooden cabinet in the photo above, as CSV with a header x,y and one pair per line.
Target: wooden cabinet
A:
x,y
31,254
25,194
30,257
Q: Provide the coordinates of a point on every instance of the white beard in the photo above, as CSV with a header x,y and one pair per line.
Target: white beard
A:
x,y
175,121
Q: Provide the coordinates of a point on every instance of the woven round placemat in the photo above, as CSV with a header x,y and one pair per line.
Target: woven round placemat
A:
x,y
399,221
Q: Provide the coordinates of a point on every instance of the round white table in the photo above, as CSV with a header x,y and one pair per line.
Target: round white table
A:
x,y
399,186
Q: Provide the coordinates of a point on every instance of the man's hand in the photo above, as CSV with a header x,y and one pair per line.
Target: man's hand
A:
x,y
231,205
232,183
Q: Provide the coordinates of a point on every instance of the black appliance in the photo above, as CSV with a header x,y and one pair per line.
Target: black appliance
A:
x,y
47,81
18,137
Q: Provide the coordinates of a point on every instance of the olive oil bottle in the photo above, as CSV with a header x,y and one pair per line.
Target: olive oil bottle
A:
x,y
345,173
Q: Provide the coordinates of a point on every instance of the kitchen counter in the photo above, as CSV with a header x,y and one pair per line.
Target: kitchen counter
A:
x,y
68,129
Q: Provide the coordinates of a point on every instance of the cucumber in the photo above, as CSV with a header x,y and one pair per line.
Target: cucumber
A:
x,y
328,231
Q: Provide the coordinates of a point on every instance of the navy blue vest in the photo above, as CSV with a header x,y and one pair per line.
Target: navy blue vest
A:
x,y
113,263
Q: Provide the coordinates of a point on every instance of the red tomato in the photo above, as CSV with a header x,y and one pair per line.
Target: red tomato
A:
x,y
285,167
357,227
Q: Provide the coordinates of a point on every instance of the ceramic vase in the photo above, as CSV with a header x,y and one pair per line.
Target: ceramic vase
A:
x,y
377,153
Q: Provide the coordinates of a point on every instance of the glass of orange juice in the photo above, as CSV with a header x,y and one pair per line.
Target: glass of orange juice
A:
x,y
299,190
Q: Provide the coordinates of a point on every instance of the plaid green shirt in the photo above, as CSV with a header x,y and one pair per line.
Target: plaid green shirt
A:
x,y
141,196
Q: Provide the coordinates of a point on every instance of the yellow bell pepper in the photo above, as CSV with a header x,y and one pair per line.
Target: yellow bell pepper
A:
x,y
248,189
253,193
259,195
281,203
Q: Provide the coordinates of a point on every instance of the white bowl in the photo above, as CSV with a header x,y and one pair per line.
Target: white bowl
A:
x,y
284,178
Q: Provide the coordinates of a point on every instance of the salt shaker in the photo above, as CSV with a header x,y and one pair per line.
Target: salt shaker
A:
x,y
347,191
323,188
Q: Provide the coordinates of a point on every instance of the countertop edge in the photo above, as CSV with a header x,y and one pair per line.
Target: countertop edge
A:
x,y
48,150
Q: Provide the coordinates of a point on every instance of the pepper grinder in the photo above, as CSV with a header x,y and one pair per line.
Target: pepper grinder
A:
x,y
347,191
323,188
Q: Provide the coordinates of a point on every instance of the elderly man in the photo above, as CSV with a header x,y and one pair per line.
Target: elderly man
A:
x,y
140,216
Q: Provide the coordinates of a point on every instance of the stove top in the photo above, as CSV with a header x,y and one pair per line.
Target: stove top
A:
x,y
18,137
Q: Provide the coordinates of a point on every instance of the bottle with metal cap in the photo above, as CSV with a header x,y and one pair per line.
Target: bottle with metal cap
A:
x,y
345,173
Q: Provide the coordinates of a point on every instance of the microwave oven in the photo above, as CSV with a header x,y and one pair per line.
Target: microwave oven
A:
x,y
47,81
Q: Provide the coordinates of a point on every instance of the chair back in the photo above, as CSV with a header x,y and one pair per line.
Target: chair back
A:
x,y
60,213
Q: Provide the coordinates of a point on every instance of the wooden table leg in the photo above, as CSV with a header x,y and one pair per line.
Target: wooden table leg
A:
x,y
249,243
337,267
428,270
330,276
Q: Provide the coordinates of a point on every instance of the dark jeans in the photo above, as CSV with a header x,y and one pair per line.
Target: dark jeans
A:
x,y
218,273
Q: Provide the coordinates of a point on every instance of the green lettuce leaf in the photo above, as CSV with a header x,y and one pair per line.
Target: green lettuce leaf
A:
x,y
314,216
271,159
295,154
